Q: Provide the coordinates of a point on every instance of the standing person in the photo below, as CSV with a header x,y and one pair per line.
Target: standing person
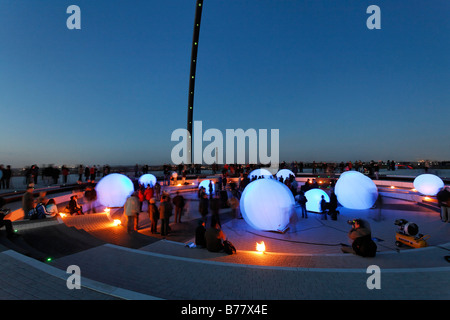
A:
x,y
233,203
157,191
65,173
141,196
214,205
92,172
91,196
324,208
301,199
203,206
153,213
148,193
2,177
443,198
131,209
80,173
376,170
87,172
28,202
179,202
165,211
7,176
393,165
332,206
183,177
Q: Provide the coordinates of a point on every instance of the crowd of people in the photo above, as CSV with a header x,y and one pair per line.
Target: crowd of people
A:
x,y
161,206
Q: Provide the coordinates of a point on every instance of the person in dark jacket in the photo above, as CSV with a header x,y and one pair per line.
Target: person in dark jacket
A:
x,y
361,235
153,213
165,211
178,201
200,240
74,208
443,198
203,206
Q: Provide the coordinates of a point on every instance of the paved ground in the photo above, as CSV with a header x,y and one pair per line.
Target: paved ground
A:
x,y
304,263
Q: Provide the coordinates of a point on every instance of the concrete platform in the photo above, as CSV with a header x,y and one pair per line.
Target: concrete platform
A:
x,y
305,263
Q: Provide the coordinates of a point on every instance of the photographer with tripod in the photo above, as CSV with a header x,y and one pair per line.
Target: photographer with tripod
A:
x,y
361,235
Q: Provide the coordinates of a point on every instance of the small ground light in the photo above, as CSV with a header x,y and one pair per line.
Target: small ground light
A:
x,y
392,187
117,222
49,259
260,247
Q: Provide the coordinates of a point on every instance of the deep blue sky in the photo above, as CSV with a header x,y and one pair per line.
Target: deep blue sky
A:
x,y
114,91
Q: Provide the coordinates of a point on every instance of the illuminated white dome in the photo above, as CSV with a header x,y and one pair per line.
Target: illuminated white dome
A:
x,y
260,173
356,191
285,173
114,189
266,204
205,184
147,179
314,196
428,184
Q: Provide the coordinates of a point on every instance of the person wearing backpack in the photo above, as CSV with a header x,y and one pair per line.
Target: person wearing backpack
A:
x,y
361,235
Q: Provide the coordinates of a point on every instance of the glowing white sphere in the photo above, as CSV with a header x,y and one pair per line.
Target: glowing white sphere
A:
x,y
147,179
205,184
314,197
284,173
354,190
428,184
267,204
114,189
260,173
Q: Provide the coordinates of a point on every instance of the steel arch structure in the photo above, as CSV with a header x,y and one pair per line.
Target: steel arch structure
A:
x,y
195,39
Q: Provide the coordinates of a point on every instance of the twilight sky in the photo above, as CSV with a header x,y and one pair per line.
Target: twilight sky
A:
x,y
114,91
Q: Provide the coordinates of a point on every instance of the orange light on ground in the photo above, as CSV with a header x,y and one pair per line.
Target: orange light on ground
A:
x,y
117,222
392,187
427,198
179,185
62,215
107,210
260,247
414,190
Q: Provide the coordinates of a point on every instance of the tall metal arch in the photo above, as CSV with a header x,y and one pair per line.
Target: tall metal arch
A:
x,y
195,38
